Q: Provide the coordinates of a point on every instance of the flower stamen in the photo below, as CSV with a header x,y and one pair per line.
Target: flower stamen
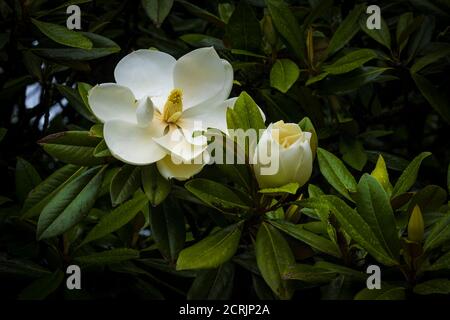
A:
x,y
173,107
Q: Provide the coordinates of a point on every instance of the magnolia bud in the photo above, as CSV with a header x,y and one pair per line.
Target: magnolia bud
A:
x,y
283,155
416,226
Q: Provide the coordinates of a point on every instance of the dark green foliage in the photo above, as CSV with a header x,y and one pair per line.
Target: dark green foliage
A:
x,y
363,93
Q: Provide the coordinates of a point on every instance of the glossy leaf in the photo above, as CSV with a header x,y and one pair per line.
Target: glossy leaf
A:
x,y
212,251
274,257
73,147
375,208
26,178
63,35
284,74
156,187
409,175
70,204
117,218
157,10
336,173
124,183
168,228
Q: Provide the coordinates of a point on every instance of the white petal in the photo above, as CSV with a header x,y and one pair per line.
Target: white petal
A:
x,y
144,112
203,76
176,143
146,72
214,117
110,101
169,169
132,144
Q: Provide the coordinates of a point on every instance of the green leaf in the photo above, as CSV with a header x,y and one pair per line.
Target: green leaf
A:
x,y
429,199
124,183
41,195
212,251
215,195
381,174
274,257
238,173
21,267
409,175
346,30
74,147
26,178
243,28
63,35
76,101
317,242
290,188
157,10
381,35
409,25
439,234
309,274
101,150
353,152
287,25
346,271
307,125
108,257
443,263
403,25
83,90
245,114
70,204
213,284
375,208
168,229
352,223
336,173
345,83
435,98
435,286
202,40
42,287
351,61
102,46
199,12
117,218
283,74
156,187
385,293
317,78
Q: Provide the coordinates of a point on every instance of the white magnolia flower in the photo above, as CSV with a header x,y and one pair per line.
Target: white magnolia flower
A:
x,y
157,103
289,151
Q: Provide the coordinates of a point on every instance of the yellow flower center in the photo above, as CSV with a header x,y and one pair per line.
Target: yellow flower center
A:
x,y
288,133
173,107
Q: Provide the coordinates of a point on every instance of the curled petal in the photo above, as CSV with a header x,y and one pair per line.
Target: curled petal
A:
x,y
204,118
178,145
144,112
110,101
179,171
204,77
132,144
146,72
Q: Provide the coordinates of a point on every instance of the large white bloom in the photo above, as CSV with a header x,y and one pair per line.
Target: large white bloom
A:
x,y
288,146
157,103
